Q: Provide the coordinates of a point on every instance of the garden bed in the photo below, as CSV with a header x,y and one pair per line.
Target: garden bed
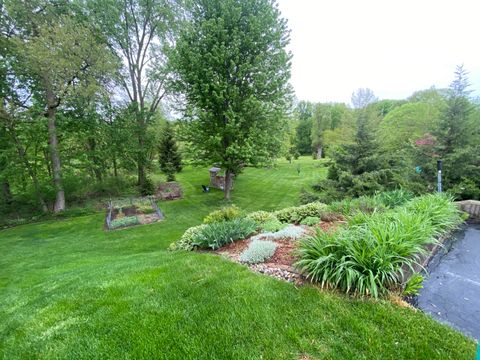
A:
x,y
281,264
379,251
169,191
124,213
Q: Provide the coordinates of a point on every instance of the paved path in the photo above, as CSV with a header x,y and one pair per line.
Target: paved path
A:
x,y
451,293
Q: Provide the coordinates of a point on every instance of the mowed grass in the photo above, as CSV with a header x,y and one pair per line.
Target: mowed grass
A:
x,y
69,289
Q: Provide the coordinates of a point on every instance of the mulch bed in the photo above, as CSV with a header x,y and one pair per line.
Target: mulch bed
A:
x,y
281,264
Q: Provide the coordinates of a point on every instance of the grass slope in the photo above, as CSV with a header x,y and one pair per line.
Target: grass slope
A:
x,y
70,290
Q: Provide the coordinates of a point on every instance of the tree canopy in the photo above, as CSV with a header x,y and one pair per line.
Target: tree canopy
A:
x,y
231,65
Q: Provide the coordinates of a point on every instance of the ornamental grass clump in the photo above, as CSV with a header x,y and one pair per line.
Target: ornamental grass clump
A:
x,y
440,210
394,198
369,257
258,251
218,234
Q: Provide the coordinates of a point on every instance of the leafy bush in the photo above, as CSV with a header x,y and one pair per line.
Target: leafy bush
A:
x,y
394,198
272,225
413,285
187,239
124,221
310,220
224,214
258,251
217,234
466,189
297,214
261,217
368,257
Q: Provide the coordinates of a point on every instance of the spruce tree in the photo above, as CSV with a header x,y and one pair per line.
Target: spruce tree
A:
x,y
169,158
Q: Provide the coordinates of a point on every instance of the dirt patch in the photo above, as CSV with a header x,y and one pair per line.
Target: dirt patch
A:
x,y
285,253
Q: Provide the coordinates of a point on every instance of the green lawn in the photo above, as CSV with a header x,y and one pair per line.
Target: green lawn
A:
x,y
68,289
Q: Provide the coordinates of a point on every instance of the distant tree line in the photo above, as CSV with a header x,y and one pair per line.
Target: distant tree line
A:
x,y
376,145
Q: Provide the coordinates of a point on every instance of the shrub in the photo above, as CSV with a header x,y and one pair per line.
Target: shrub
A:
x,y
224,214
217,234
413,285
297,214
310,220
394,198
272,225
258,251
186,241
261,217
369,257
124,221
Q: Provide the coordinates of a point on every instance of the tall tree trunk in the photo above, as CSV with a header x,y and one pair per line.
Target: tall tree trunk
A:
x,y
141,158
115,171
228,184
54,154
7,194
319,151
93,157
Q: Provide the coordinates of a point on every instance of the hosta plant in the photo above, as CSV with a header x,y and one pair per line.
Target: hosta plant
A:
x,y
187,239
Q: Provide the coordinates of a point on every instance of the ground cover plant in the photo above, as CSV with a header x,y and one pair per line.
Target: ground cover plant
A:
x,y
258,251
70,290
369,256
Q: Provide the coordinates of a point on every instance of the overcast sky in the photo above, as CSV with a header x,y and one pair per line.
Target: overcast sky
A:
x,y
393,47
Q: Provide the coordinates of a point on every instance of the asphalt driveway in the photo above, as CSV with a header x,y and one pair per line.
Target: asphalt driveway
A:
x,y
451,293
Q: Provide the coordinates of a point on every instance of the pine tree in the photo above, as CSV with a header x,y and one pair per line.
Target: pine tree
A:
x,y
169,158
453,129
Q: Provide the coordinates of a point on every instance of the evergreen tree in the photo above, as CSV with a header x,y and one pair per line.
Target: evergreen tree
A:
x,y
359,168
454,128
169,158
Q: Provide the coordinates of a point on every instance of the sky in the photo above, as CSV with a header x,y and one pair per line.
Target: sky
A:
x,y
392,47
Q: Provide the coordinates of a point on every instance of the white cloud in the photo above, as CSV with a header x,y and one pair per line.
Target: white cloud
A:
x,y
392,47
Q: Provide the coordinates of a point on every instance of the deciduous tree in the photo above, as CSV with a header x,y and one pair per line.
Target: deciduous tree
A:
x,y
231,66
